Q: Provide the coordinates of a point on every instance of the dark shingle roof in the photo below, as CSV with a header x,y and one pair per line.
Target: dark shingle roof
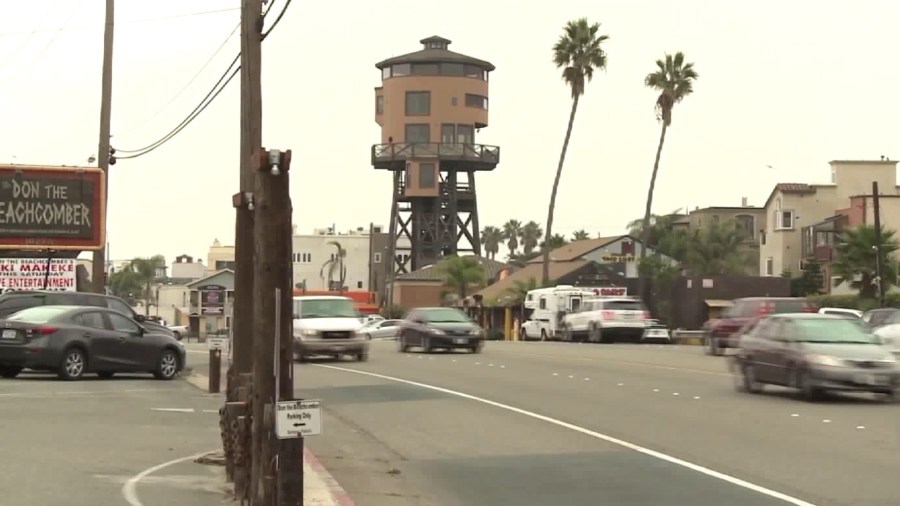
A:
x,y
577,249
794,188
435,56
492,269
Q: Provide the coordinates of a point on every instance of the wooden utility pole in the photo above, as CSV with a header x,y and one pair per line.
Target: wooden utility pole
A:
x,y
98,265
277,464
241,366
879,251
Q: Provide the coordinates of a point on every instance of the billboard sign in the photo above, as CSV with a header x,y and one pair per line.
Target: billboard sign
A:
x,y
31,274
59,208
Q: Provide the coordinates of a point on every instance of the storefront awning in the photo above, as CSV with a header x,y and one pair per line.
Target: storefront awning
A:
x,y
718,303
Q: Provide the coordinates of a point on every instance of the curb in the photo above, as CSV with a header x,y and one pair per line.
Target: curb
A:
x,y
339,497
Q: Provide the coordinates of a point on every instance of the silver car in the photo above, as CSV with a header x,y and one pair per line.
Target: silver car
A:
x,y
815,353
381,329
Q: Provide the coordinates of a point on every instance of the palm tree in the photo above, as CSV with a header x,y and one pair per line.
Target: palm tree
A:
x,y
512,229
578,54
520,289
856,260
717,250
462,272
674,80
126,283
556,241
491,237
335,265
146,270
531,236
581,235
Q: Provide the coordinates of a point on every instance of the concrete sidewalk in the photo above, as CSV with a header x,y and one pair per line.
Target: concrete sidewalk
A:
x,y
319,487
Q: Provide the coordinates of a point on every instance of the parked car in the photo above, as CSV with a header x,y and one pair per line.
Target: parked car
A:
x,y
178,331
889,336
433,328
11,302
74,340
880,317
327,325
841,311
381,329
815,353
742,311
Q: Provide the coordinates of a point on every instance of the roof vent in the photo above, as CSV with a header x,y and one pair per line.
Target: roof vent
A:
x,y
435,42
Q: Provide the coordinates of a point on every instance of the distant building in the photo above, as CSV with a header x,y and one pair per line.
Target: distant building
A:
x,y
220,257
185,267
317,266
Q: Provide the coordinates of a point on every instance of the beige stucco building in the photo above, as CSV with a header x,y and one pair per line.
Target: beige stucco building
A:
x,y
749,220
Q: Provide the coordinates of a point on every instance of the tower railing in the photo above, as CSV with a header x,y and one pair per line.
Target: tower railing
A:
x,y
446,151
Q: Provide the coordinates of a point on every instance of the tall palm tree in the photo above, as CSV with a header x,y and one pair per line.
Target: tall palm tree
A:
x,y
147,270
674,80
580,235
531,236
556,241
512,229
460,273
335,265
717,250
491,237
578,54
856,259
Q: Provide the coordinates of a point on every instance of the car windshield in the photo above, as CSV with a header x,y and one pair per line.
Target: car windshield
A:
x,y
833,330
788,306
327,308
41,314
446,315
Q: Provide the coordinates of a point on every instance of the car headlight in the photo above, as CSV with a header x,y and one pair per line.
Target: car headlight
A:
x,y
826,360
475,332
309,333
437,332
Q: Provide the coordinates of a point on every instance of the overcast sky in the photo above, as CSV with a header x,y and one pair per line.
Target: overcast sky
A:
x,y
787,84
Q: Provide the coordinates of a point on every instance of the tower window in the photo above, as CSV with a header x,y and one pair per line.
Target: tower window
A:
x,y
418,132
476,101
379,104
426,175
425,69
418,103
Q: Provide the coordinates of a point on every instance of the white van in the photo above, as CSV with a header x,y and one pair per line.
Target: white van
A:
x,y
327,325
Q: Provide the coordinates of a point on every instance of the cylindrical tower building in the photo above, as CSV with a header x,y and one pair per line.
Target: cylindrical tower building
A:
x,y
430,106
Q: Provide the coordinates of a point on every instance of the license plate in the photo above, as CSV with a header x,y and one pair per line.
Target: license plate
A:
x,y
627,316
871,379
338,348
460,341
9,334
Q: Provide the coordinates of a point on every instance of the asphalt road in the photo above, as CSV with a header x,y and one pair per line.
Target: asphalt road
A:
x,y
96,441
584,424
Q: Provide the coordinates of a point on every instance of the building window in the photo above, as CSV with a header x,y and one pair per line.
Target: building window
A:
x,y
418,103
377,258
418,132
448,133
770,266
476,72
385,73
401,69
379,104
426,175
476,101
715,219
465,134
784,220
452,69
359,284
425,69
745,225
762,237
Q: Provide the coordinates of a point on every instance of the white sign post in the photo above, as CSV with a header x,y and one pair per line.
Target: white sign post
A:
x,y
217,343
300,418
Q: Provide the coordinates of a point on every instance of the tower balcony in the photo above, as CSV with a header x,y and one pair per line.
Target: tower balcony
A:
x,y
469,156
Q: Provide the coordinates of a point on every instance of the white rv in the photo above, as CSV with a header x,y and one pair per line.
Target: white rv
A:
x,y
548,308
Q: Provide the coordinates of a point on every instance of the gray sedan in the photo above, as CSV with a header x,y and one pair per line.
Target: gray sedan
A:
x,y
381,329
815,353
74,340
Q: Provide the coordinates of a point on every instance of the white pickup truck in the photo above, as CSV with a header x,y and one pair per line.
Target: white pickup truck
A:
x,y
179,330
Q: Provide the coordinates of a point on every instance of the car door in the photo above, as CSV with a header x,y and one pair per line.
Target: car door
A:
x,y
768,348
387,329
136,351
103,344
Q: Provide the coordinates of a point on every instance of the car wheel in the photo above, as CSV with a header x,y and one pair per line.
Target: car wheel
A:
x,y
9,372
543,335
369,337
362,356
748,381
178,336
805,387
888,397
426,345
595,334
105,374
401,345
167,368
523,336
73,365
477,348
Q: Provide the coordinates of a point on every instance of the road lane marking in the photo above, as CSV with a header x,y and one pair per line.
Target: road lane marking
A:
x,y
860,426
129,489
588,432
80,392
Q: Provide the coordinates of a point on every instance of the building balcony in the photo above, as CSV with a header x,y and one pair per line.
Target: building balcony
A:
x,y
465,156
823,253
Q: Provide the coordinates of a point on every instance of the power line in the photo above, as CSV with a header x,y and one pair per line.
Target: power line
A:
x,y
127,21
208,99
185,87
30,36
50,43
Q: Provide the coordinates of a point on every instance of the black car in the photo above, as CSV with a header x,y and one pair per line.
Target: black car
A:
x,y
432,328
74,340
12,302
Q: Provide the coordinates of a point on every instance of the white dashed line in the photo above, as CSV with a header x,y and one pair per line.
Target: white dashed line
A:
x,y
696,397
621,384
490,365
675,393
502,367
795,415
587,379
556,374
860,426
477,363
826,421
454,360
656,390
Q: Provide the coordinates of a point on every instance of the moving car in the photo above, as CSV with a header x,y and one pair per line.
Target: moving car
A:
x,y
327,325
74,340
876,318
815,353
840,311
743,311
381,329
12,302
432,328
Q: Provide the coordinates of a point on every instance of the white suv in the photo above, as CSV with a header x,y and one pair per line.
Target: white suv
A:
x,y
327,325
602,318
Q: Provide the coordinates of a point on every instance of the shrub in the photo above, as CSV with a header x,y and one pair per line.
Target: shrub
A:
x,y
854,301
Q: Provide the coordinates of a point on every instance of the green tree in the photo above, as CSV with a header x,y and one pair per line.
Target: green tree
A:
x,y
520,289
580,235
578,53
126,283
460,273
491,237
531,236
146,270
856,259
717,249
334,266
664,275
811,281
674,80
512,230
